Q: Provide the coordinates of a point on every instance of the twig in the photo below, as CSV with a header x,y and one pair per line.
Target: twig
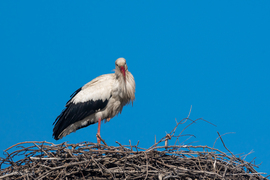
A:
x,y
101,139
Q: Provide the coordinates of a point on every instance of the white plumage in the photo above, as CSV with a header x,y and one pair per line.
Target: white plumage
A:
x,y
102,98
99,88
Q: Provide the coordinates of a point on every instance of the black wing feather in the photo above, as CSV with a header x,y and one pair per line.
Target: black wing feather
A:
x,y
76,112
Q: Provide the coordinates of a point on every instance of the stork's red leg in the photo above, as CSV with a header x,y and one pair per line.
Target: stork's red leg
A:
x,y
98,131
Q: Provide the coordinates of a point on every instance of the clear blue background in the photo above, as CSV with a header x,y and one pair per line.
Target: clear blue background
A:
x,y
213,55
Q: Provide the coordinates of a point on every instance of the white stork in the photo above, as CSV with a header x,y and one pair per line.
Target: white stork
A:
x,y
100,99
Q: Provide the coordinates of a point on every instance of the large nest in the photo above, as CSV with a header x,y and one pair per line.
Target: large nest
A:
x,y
45,160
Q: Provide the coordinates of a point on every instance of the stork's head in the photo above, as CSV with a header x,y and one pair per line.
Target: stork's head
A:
x,y
121,66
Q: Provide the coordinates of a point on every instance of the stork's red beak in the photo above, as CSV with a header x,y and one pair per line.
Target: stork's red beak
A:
x,y
122,69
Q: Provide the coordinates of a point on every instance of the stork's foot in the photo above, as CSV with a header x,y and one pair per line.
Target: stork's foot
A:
x,y
98,138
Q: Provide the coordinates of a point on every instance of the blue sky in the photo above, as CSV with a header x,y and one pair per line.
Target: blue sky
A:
x,y
213,55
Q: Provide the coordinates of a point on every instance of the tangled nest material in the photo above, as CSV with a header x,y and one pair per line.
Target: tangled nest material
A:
x,y
45,160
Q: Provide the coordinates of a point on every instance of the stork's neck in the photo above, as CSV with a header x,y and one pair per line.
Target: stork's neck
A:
x,y
120,77
121,85
125,88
